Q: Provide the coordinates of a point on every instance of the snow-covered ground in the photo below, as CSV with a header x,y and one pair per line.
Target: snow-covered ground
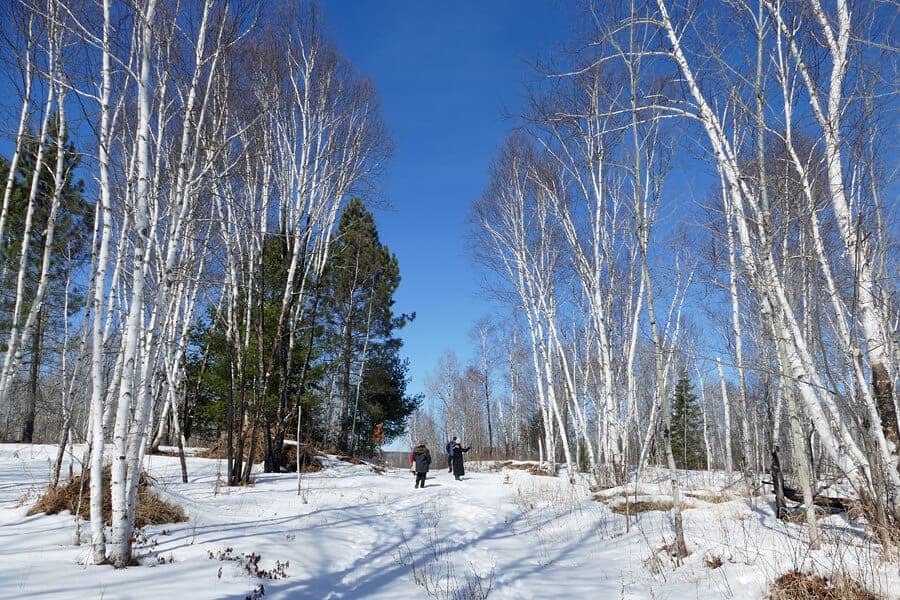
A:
x,y
356,533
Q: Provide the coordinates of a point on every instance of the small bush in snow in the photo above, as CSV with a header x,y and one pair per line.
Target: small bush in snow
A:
x,y
258,592
713,562
249,562
434,571
795,585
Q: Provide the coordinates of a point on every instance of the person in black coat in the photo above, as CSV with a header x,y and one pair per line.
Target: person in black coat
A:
x,y
458,469
422,460
450,453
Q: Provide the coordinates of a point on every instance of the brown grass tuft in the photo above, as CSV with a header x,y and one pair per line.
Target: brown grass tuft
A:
x,y
150,508
633,508
709,497
167,452
795,585
219,448
663,558
309,463
533,468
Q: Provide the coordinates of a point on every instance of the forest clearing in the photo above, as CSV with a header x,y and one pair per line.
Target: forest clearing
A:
x,y
355,531
635,264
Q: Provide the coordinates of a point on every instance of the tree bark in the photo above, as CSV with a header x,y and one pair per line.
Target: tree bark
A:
x,y
778,485
726,404
33,377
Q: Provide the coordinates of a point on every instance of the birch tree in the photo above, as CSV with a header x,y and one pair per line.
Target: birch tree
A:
x,y
514,215
24,320
752,205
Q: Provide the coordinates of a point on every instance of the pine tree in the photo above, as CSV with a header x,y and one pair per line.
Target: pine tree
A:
x,y
687,426
384,399
348,335
358,295
209,364
73,233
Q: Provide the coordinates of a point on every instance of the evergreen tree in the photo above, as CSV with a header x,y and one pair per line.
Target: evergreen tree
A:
x,y
358,295
384,399
347,336
74,219
687,425
212,381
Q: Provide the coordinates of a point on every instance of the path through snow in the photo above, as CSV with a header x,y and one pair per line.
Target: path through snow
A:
x,y
355,533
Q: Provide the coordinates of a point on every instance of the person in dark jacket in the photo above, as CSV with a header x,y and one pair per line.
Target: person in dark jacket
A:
x,y
422,460
458,468
450,453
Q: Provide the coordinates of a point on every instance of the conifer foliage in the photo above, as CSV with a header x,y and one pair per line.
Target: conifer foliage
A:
x,y
359,284
32,212
341,363
687,425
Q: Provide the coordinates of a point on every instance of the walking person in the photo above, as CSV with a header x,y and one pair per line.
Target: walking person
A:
x,y
457,460
422,460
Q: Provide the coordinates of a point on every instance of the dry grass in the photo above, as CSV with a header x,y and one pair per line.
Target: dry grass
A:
x,y
309,463
795,585
620,504
797,514
633,508
532,468
607,494
159,452
150,508
710,497
664,558
219,448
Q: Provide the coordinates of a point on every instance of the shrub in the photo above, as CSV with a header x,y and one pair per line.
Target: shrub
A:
x,y
710,497
533,468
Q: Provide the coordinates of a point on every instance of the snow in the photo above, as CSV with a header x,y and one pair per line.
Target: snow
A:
x,y
356,533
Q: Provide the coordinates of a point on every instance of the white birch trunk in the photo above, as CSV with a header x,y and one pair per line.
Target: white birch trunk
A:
x,y
709,463
662,399
122,518
726,406
840,444
749,461
20,134
17,340
798,441
880,407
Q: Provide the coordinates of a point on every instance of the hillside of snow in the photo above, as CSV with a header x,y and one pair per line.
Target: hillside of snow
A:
x,y
355,532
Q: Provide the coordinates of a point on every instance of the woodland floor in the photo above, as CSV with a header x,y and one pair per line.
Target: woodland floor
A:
x,y
355,532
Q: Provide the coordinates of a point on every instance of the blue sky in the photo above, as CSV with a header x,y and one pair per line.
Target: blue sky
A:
x,y
447,74
444,72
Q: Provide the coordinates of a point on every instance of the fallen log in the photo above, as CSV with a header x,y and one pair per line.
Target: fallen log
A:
x,y
833,504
